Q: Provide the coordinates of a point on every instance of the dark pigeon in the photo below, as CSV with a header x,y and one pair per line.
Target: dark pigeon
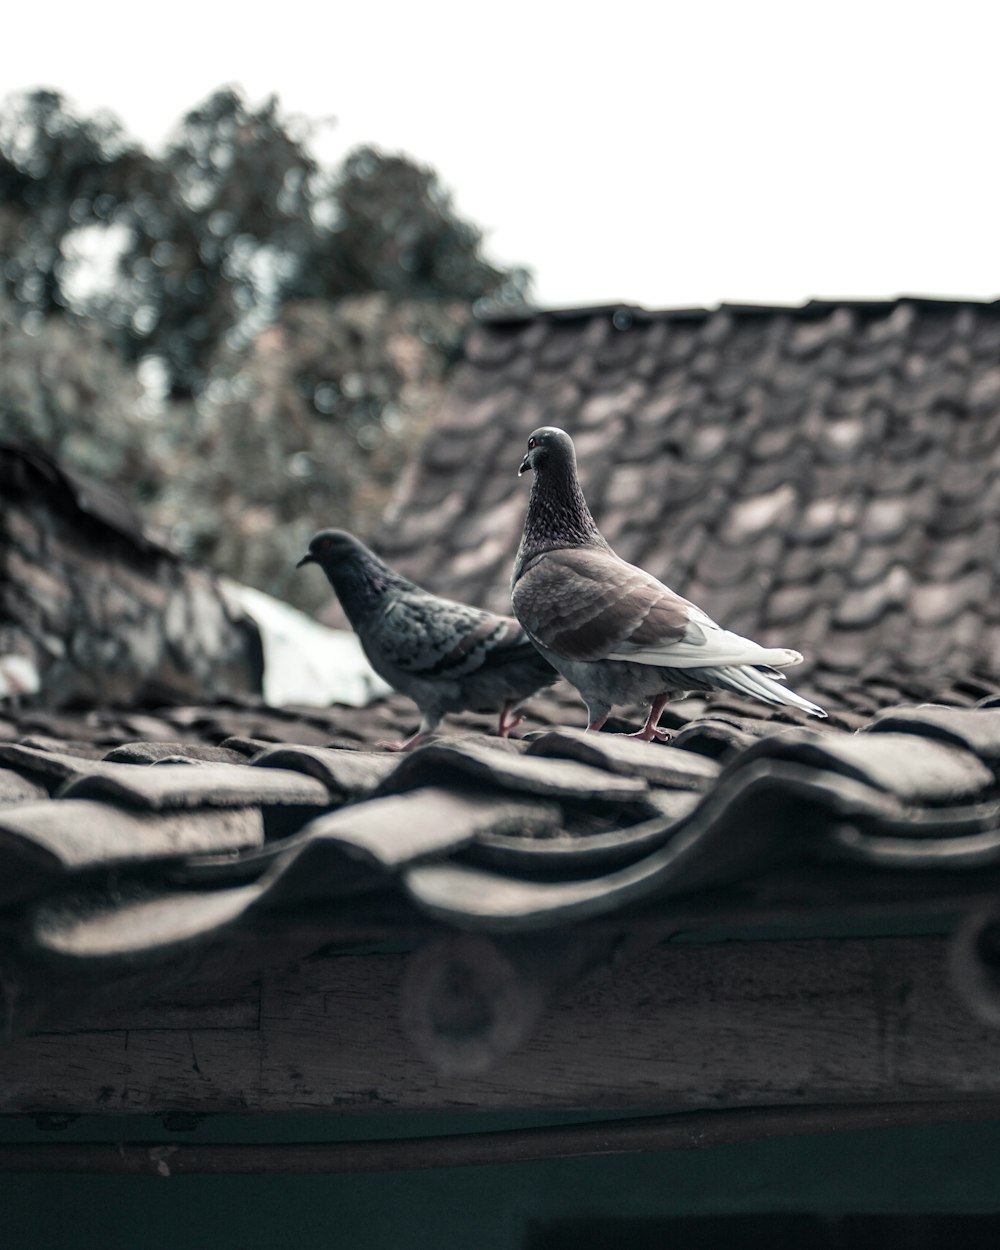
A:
x,y
445,656
611,629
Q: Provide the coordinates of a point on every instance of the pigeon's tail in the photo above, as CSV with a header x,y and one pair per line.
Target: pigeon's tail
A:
x,y
777,657
715,649
752,682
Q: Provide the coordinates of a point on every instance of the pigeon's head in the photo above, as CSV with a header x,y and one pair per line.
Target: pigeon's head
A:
x,y
547,445
330,548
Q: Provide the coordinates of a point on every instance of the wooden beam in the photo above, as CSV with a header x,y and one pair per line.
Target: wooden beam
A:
x,y
468,1000
723,1024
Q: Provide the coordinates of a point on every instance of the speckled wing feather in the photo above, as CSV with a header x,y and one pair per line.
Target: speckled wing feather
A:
x,y
429,637
586,604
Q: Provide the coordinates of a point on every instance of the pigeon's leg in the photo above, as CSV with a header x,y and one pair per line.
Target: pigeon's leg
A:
x,y
424,730
505,725
597,719
413,741
649,731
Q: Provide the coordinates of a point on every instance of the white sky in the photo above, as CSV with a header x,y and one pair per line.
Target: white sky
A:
x,y
665,154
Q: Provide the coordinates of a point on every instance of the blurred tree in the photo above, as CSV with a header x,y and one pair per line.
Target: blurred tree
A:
x,y
209,259
296,324
64,388
209,242
58,174
308,426
204,239
394,229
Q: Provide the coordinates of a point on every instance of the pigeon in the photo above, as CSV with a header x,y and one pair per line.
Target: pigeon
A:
x,y
611,629
445,656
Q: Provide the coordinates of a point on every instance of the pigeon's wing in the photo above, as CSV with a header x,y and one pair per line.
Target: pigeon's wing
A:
x,y
585,604
706,645
430,637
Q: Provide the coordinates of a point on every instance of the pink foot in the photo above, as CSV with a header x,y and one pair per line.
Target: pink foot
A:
x,y
408,745
508,721
647,735
649,732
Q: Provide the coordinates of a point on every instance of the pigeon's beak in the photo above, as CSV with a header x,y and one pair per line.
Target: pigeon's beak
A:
x,y
308,558
526,465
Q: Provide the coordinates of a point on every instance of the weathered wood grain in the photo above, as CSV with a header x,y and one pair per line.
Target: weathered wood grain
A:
x,y
467,1000
714,1025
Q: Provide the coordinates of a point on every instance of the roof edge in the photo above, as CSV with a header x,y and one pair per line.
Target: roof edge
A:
x,y
812,308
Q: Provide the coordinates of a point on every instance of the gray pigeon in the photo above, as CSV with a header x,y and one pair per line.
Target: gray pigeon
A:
x,y
611,629
445,656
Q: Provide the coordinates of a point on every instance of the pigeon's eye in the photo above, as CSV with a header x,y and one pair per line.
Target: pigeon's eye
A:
x,y
532,442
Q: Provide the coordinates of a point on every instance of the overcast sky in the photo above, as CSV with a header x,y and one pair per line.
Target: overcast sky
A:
x,y
663,154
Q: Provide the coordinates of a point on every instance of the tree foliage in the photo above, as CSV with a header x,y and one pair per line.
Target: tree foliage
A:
x,y
58,173
64,388
300,320
216,236
394,229
211,257
309,426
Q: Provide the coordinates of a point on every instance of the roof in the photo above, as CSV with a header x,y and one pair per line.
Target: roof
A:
x,y
94,607
129,855
824,477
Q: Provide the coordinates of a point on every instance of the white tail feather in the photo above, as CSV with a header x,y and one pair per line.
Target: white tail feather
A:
x,y
717,650
749,681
